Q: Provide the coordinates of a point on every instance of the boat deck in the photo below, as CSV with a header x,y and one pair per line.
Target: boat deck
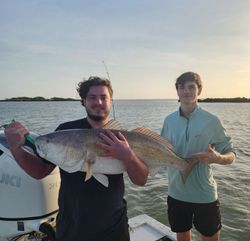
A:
x,y
141,227
144,227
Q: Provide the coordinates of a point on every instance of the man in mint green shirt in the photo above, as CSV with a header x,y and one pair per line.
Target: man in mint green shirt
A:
x,y
195,134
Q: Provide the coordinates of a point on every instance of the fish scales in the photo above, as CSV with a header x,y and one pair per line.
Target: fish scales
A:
x,y
73,150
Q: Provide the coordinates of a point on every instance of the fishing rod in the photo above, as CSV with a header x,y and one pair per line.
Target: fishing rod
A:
x,y
113,105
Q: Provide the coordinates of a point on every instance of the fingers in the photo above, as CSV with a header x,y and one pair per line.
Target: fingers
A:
x,y
16,128
107,137
110,137
115,145
116,137
15,125
14,134
107,149
210,147
15,131
103,145
121,136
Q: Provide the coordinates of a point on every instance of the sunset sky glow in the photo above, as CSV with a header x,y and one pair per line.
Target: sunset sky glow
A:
x,y
47,47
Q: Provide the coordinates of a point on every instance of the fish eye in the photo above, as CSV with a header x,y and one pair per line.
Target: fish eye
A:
x,y
47,141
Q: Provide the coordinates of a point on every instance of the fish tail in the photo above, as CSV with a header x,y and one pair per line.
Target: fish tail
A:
x,y
185,173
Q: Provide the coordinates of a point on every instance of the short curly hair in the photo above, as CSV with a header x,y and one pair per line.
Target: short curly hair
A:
x,y
84,86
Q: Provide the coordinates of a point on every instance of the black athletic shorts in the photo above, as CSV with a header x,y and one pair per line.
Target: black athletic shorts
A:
x,y
205,217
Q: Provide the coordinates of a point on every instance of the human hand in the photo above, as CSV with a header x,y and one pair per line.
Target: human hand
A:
x,y
115,146
14,134
208,157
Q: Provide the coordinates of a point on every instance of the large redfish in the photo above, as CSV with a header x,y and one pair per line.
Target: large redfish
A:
x,y
76,150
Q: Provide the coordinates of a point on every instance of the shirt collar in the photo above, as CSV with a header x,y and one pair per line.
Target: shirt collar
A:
x,y
192,114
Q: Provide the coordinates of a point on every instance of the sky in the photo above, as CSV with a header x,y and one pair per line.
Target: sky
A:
x,y
48,46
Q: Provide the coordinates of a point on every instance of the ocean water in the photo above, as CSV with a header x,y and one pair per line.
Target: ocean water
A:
x,y
233,180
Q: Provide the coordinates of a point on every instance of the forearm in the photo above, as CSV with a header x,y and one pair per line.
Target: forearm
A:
x,y
137,170
31,164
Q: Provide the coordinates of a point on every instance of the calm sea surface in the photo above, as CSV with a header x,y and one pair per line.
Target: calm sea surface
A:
x,y
233,180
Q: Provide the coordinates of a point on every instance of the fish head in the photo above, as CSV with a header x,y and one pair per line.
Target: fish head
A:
x,y
49,148
60,148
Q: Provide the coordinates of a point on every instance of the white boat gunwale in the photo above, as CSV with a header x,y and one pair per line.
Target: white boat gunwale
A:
x,y
146,228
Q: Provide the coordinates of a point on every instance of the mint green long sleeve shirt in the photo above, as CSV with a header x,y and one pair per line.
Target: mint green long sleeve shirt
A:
x,y
189,136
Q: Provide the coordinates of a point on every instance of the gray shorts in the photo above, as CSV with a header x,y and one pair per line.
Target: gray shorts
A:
x,y
205,217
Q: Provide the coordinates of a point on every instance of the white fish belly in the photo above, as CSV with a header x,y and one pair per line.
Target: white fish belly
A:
x,y
108,165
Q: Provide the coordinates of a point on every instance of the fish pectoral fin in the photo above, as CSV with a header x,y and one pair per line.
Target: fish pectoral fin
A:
x,y
88,163
153,171
103,179
88,168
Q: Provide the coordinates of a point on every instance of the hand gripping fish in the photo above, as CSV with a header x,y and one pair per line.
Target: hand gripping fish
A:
x,y
76,150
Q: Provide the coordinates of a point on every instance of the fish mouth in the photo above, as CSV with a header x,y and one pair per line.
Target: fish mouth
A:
x,y
39,150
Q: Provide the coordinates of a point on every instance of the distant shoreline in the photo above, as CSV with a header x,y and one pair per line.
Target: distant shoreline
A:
x,y
39,98
206,100
225,100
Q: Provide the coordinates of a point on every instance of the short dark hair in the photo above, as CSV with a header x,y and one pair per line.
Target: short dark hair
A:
x,y
188,76
84,86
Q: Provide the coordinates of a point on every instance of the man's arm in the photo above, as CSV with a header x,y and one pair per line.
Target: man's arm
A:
x,y
118,147
212,156
30,163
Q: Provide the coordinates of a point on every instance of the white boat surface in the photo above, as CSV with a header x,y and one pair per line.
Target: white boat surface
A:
x,y
146,228
141,228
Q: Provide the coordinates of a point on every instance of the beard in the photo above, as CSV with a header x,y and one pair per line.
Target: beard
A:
x,y
97,118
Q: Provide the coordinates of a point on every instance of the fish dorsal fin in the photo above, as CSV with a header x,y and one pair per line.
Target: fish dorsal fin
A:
x,y
155,136
113,124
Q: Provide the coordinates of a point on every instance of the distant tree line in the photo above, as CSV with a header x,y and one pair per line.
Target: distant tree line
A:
x,y
232,100
39,98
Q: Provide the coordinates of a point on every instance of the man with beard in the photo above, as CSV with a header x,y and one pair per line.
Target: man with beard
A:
x,y
88,211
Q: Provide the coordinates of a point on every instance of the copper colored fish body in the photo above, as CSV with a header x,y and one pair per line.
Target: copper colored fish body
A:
x,y
76,150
